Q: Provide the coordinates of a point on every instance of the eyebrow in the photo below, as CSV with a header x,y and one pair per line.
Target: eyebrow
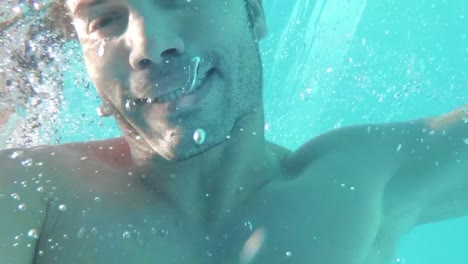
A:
x,y
84,4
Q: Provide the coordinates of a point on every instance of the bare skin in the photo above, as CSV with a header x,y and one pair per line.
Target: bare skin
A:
x,y
5,110
155,196
5,116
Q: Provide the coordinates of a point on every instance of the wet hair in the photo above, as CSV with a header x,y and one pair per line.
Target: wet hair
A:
x,y
60,19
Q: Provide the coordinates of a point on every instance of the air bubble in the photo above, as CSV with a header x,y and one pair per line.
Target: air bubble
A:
x,y
16,154
130,105
62,207
163,232
196,61
249,224
33,234
22,207
126,235
17,9
199,136
37,6
27,163
81,232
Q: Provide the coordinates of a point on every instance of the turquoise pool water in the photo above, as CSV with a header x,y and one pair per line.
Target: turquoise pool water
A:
x,y
327,64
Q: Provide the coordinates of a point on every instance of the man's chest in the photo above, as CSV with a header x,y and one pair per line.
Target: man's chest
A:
x,y
294,222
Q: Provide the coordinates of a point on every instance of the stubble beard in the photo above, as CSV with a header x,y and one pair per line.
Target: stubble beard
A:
x,y
244,108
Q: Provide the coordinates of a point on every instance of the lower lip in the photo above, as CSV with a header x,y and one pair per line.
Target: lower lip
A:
x,y
195,98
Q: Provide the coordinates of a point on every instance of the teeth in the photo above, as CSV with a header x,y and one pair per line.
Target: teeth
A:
x,y
177,93
192,84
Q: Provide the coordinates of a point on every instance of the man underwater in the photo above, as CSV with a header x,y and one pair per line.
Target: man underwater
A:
x,y
193,179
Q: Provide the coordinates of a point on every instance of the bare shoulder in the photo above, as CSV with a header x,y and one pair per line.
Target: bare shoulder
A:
x,y
403,160
30,179
67,156
111,152
23,204
363,146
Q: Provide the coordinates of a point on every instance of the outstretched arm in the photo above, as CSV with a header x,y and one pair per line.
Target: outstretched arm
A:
x,y
432,173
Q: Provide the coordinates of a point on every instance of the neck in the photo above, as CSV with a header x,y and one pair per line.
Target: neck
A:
x,y
207,187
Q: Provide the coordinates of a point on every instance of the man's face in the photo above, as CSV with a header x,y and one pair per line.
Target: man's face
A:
x,y
168,68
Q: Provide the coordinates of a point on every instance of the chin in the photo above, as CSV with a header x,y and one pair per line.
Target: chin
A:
x,y
193,152
185,149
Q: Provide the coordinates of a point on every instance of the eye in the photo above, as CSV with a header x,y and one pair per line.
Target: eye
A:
x,y
103,22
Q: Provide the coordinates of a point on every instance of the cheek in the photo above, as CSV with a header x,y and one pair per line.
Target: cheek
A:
x,y
105,62
90,54
109,71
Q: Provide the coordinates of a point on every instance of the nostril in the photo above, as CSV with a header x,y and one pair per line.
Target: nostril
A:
x,y
144,63
171,52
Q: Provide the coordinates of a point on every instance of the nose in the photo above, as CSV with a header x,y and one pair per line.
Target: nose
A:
x,y
152,42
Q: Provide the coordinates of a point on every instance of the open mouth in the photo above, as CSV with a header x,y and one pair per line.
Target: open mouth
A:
x,y
192,85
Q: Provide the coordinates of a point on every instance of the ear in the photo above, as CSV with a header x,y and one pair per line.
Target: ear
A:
x,y
255,8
